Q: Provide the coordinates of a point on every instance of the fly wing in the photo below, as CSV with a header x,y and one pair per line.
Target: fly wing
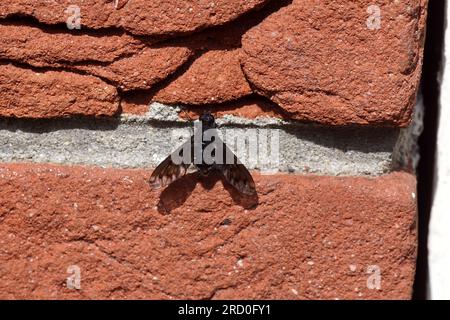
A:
x,y
168,171
236,173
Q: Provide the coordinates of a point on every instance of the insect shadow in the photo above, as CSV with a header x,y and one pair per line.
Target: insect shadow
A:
x,y
176,194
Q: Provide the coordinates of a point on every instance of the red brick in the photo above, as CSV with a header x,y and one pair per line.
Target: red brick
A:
x,y
320,62
142,70
307,237
215,77
47,48
26,93
137,16
121,59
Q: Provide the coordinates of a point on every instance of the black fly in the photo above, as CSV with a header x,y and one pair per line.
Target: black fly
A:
x,y
232,169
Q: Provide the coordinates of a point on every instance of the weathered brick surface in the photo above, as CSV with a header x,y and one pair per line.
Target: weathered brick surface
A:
x,y
142,70
46,48
137,16
304,237
249,108
121,59
26,93
215,77
320,61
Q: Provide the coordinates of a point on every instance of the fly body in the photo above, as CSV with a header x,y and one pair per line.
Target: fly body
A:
x,y
229,165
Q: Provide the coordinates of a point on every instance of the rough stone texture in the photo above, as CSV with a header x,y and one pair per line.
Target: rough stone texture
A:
x,y
117,58
215,77
320,62
302,237
201,240
143,70
143,17
144,141
316,61
44,48
31,94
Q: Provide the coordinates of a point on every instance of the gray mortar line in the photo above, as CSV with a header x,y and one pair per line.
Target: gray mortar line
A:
x,y
143,141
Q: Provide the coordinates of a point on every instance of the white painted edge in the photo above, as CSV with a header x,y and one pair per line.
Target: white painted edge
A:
x,y
439,228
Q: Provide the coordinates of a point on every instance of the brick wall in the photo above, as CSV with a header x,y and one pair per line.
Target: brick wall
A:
x,y
92,91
